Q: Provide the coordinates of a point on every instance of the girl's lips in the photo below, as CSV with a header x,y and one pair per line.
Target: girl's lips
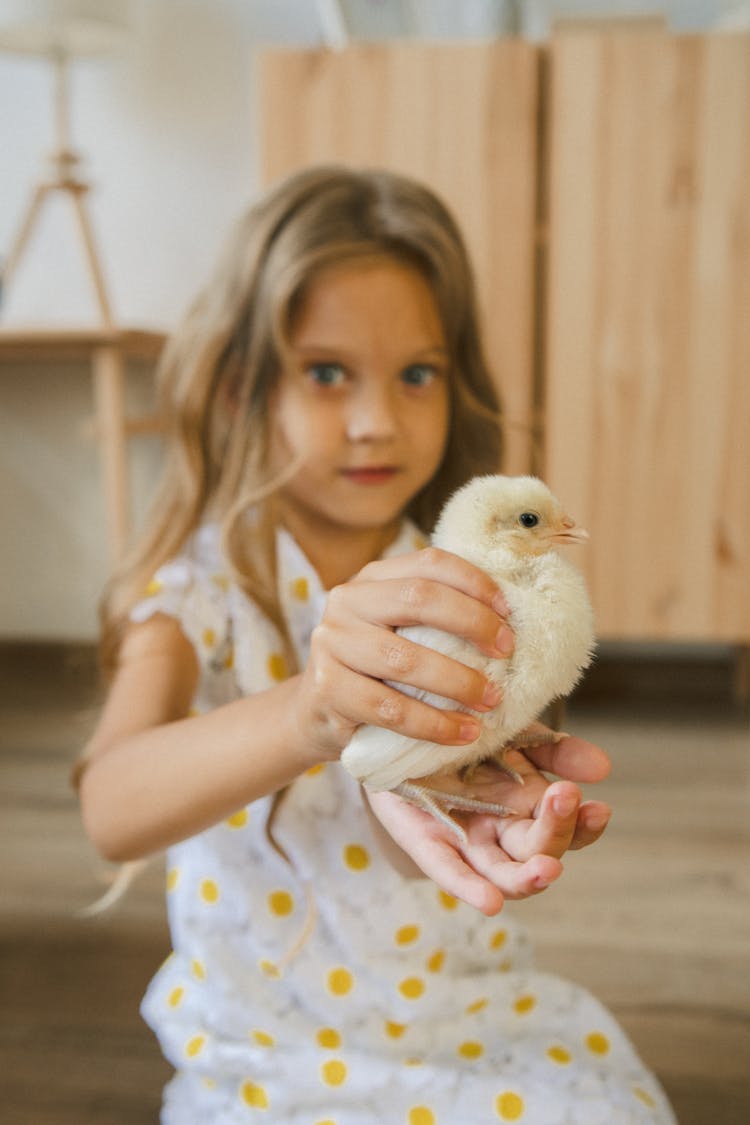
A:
x,y
374,474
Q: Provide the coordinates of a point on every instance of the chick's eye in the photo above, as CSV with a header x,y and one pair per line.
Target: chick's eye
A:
x,y
528,519
326,374
418,375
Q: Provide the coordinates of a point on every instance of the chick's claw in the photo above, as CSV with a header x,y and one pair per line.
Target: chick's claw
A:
x,y
439,802
499,759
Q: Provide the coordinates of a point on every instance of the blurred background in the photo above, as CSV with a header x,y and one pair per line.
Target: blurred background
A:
x,y
597,156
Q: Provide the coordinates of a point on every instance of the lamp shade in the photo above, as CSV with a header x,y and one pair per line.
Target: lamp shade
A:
x,y
70,27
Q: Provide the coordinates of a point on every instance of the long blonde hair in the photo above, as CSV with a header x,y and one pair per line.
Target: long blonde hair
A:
x,y
218,369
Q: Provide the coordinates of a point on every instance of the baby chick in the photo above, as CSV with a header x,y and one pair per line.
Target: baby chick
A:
x,y
510,527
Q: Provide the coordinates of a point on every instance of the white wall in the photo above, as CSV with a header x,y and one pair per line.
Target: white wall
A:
x,y
168,130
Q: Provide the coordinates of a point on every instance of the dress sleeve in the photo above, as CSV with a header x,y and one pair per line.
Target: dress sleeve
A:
x,y
195,594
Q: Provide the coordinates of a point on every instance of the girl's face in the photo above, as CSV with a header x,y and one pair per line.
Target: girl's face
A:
x,y
364,400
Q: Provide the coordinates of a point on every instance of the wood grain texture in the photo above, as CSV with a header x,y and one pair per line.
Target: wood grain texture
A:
x,y
462,118
648,329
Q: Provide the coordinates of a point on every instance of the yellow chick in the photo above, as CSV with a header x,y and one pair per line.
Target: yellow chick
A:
x,y
511,528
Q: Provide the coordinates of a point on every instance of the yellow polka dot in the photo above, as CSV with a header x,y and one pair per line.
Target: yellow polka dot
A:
x,y
173,878
356,857
477,1006
421,1115
597,1043
559,1055
413,1061
221,581
254,1095
238,819
498,939
154,587
448,902
436,961
176,997
509,1106
524,1004
471,1050
412,988
209,891
406,935
644,1096
195,1045
395,1030
300,588
313,770
280,903
329,1038
328,1121
268,968
199,970
209,638
209,1083
262,1038
505,966
277,667
340,981
333,1073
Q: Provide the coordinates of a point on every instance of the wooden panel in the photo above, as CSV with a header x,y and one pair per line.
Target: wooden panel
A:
x,y
463,119
648,327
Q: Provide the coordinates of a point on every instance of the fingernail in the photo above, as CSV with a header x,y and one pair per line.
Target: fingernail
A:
x,y
565,804
469,731
541,883
595,823
492,694
505,642
500,605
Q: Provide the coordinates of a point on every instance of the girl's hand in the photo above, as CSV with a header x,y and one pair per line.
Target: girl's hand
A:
x,y
512,857
355,648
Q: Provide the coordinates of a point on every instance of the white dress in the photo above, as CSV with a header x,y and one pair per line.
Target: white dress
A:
x,y
330,990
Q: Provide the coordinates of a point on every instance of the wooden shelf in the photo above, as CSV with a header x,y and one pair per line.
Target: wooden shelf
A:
x,y
19,343
107,352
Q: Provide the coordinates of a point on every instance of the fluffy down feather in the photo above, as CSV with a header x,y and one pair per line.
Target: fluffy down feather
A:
x,y
511,527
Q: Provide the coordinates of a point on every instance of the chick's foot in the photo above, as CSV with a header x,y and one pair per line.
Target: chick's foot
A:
x,y
440,802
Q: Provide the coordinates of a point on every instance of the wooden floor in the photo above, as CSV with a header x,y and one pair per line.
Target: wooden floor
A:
x,y
655,920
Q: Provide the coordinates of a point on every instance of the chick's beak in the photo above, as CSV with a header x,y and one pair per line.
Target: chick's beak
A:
x,y
568,532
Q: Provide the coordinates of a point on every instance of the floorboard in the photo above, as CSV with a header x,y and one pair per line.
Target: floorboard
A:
x,y
655,920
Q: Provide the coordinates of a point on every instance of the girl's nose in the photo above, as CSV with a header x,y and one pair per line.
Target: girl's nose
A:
x,y
371,415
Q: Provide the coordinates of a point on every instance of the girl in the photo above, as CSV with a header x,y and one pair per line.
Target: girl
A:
x,y
325,395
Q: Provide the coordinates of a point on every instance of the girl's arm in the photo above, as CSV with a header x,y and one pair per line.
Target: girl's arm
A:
x,y
155,775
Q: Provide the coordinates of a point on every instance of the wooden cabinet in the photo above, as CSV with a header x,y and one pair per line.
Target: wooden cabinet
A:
x,y
647,376
463,119
601,181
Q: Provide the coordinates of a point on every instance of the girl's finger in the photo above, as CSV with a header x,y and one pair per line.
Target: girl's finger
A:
x,y
384,655
351,700
443,567
402,602
552,828
572,758
593,818
515,879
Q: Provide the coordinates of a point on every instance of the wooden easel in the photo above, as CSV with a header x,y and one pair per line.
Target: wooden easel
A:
x,y
106,346
65,179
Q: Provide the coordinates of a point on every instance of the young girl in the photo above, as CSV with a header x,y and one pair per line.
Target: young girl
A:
x,y
325,395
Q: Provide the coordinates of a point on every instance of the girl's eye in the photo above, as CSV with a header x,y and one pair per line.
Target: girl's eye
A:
x,y
327,374
418,375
